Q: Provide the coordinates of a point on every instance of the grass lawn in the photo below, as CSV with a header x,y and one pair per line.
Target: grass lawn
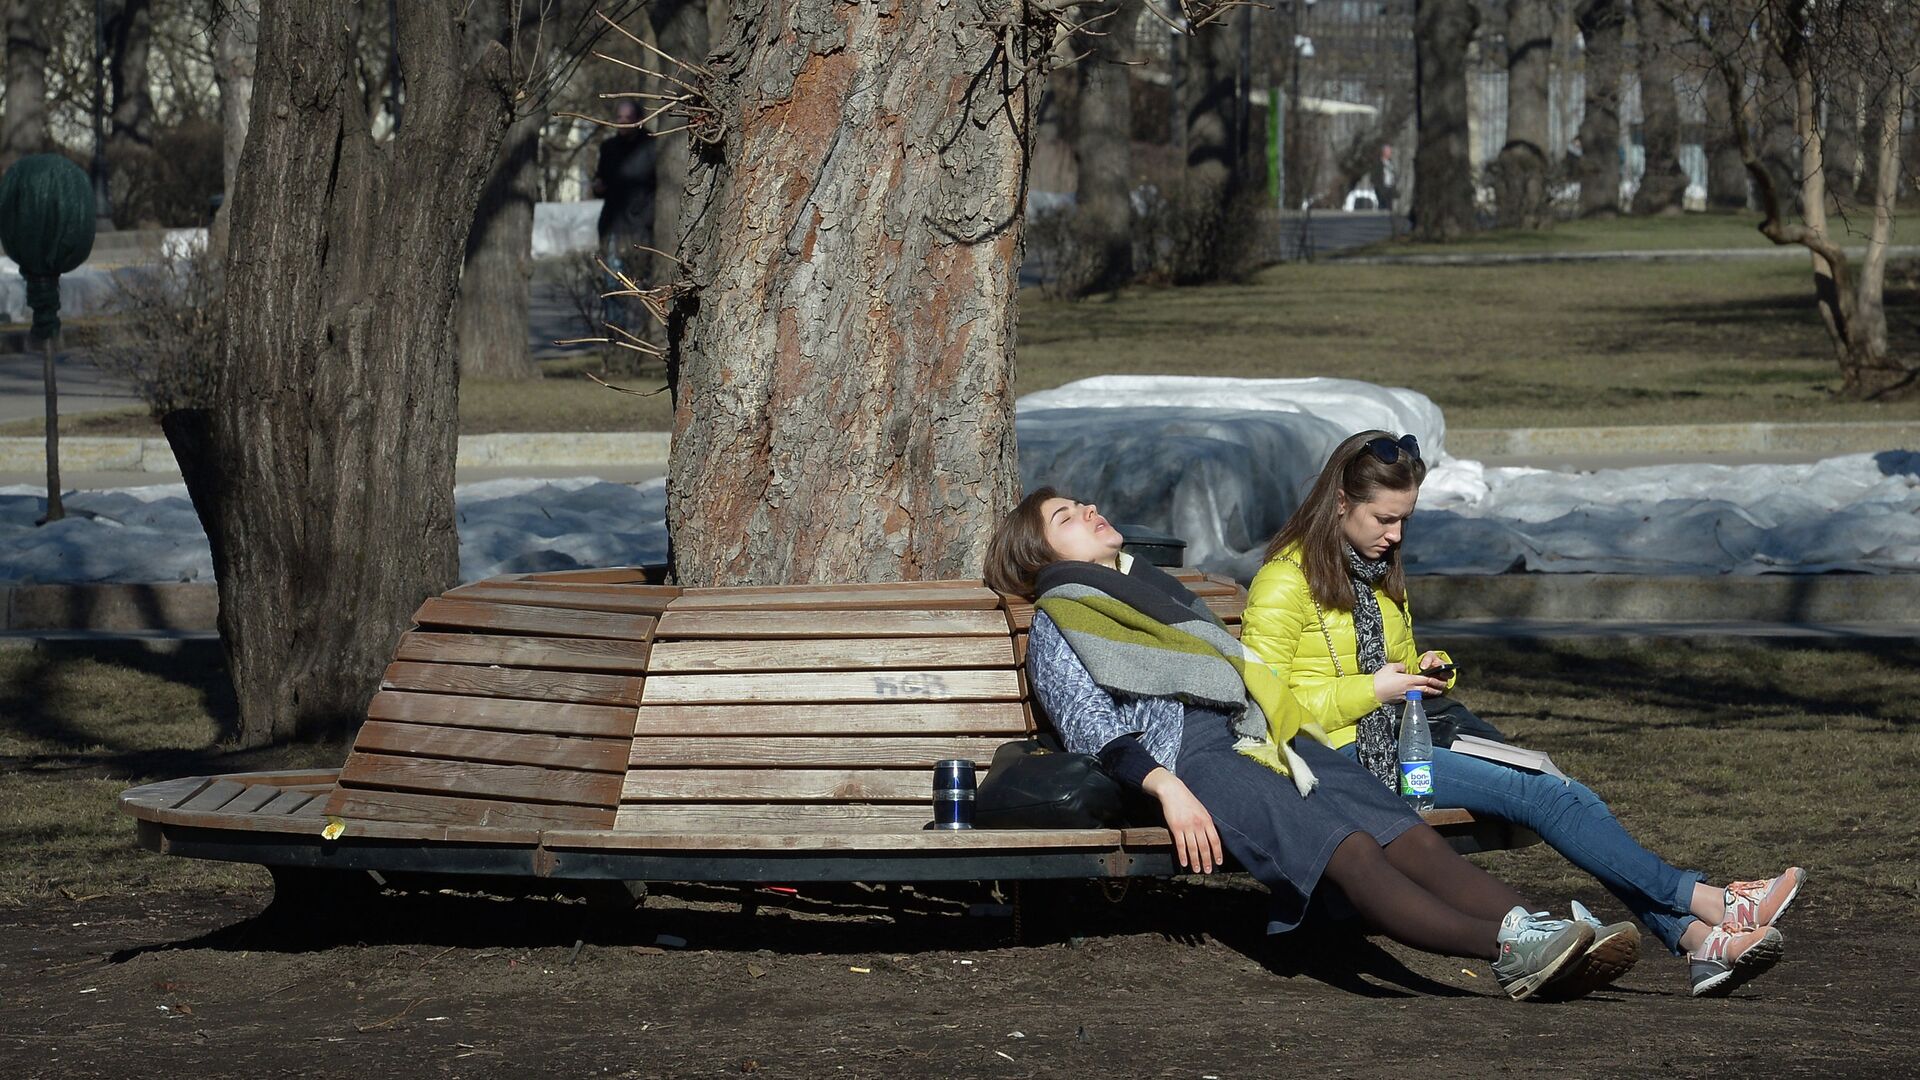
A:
x,y
1502,346
1733,758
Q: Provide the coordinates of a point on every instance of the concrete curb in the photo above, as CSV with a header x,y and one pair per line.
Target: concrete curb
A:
x,y
1862,437
81,454
1564,603
1519,258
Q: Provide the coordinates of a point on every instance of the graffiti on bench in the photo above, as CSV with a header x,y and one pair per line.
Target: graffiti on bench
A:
x,y
919,684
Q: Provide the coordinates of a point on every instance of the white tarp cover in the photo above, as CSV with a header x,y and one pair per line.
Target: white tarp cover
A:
x,y
1218,462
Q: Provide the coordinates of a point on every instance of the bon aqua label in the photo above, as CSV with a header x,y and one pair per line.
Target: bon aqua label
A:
x,y
1416,778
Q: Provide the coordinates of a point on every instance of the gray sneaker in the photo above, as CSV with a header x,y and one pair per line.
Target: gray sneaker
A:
x,y
1730,957
1534,948
1615,949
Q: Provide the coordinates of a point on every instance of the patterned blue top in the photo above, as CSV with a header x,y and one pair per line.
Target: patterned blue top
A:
x,y
1087,717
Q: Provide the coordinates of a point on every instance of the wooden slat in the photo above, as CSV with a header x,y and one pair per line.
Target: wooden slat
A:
x,y
565,654
165,794
527,619
1019,614
502,714
969,685
498,747
773,817
908,596
288,802
916,840
1227,607
251,800
830,654
786,752
527,683
444,810
213,796
840,624
766,785
631,599
1157,837
394,773
962,718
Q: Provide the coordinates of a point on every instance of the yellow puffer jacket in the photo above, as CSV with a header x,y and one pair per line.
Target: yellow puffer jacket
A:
x,y
1281,628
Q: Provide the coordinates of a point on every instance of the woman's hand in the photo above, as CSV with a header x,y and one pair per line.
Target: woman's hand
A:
x,y
1391,683
1195,841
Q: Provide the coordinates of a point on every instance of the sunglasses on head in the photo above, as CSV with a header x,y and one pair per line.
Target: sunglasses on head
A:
x,y
1388,450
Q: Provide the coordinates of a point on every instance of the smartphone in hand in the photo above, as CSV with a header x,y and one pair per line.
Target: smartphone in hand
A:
x,y
1443,672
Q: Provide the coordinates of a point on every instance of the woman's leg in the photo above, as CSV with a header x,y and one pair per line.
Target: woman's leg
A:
x,y
1578,824
1402,909
1426,859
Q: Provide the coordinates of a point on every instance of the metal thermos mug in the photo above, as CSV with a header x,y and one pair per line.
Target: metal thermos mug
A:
x,y
953,794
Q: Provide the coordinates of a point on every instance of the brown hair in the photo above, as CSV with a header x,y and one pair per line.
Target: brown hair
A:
x,y
1356,472
1019,547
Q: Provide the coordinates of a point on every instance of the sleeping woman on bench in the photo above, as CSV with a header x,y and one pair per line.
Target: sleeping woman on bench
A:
x,y
1329,613
1132,667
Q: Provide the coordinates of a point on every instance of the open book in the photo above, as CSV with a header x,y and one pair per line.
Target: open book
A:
x,y
1507,754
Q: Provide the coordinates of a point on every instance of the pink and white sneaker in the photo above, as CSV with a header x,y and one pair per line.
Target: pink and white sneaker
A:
x,y
1753,904
1730,957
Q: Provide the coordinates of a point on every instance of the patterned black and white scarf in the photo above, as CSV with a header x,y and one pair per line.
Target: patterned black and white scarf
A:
x,y
1377,738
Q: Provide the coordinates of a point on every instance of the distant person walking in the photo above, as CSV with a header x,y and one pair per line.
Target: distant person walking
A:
x,y
623,178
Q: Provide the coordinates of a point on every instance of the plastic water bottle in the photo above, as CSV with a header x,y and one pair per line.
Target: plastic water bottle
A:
x,y
1416,754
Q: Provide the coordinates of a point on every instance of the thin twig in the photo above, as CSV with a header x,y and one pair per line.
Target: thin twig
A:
x,y
623,389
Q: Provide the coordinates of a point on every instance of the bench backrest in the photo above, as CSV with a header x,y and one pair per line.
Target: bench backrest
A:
x,y
596,700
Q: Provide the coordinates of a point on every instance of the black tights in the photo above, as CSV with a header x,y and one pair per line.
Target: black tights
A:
x,y
1421,893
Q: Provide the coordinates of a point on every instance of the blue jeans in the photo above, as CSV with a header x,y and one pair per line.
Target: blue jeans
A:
x,y
1576,823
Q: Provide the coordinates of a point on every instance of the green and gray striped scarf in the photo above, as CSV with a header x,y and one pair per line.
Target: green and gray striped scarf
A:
x,y
1145,635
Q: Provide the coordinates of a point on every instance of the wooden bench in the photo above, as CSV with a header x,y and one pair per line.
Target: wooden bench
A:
x,y
594,725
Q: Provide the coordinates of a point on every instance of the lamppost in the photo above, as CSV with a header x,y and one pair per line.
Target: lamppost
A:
x,y
102,209
1287,124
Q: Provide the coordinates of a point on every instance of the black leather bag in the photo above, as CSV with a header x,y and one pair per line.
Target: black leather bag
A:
x,y
1034,784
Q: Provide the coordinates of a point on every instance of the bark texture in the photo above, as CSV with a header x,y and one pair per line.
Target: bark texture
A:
x,y
843,359
1521,173
1100,129
1442,164
324,472
1663,186
234,43
1602,25
23,126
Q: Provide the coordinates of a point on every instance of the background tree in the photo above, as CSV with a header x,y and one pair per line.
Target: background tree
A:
x,y
1602,27
1663,184
1099,124
23,124
1813,44
1521,172
323,474
235,35
1443,181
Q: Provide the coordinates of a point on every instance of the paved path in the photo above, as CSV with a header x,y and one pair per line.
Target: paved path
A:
x,y
83,387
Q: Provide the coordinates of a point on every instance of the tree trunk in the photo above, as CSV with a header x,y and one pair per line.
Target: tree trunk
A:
x,y
129,34
1870,368
233,70
491,319
23,126
1844,128
1726,172
1520,173
327,485
682,32
1442,165
1602,23
844,360
1663,186
1100,127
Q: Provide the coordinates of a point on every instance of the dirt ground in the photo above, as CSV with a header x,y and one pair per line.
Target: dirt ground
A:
x,y
1173,980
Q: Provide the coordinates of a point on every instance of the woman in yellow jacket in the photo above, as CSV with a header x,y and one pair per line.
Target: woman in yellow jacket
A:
x,y
1329,612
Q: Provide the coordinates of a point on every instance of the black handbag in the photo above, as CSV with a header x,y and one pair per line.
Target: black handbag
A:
x,y
1034,784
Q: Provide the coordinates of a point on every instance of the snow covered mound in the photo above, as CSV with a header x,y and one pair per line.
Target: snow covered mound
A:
x,y
150,534
1351,405
1860,512
1218,462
